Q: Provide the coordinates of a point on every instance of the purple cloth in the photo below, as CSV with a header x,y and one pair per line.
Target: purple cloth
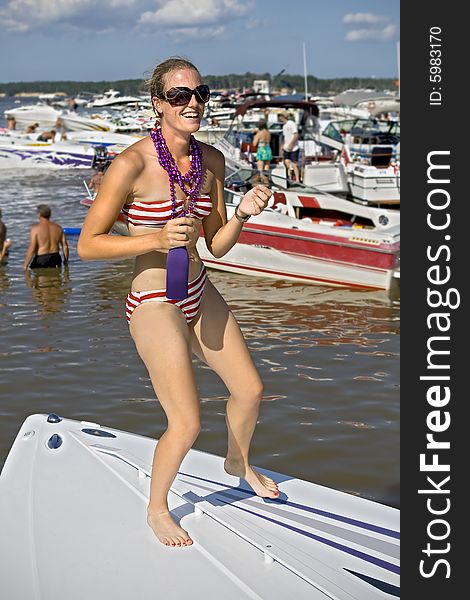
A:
x,y
177,271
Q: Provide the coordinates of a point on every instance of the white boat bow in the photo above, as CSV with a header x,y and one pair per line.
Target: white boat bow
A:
x,y
73,499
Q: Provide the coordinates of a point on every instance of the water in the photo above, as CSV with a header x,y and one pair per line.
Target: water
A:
x,y
329,357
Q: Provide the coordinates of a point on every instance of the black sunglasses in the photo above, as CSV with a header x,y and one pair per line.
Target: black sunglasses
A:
x,y
179,96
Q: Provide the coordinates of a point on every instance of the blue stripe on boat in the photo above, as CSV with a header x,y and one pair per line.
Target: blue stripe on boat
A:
x,y
317,511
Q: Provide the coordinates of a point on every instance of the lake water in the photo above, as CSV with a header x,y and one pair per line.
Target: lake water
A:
x,y
329,357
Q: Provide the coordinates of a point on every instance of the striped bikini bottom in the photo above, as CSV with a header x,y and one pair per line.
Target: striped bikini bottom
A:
x,y
189,306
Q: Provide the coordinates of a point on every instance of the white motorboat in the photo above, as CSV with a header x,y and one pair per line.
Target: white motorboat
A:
x,y
74,122
114,143
374,185
73,499
313,237
362,136
24,151
370,153
113,98
47,117
326,173
44,115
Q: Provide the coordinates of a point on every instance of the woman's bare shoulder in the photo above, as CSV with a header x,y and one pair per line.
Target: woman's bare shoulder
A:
x,y
132,159
211,153
213,157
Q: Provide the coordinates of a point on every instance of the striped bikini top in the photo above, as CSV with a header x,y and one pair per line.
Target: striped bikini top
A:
x,y
157,214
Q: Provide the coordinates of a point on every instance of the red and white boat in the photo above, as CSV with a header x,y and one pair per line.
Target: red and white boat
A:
x,y
311,237
315,238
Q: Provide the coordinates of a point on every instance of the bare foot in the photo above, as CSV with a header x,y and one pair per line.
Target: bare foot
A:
x,y
263,486
167,531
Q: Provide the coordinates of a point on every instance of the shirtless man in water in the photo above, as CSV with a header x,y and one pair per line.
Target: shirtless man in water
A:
x,y
46,239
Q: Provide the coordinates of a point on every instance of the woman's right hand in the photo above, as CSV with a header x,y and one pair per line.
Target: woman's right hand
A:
x,y
177,232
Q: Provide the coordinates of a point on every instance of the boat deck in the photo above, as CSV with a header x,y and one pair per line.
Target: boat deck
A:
x,y
73,499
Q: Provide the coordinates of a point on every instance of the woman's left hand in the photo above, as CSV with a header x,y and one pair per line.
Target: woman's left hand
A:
x,y
254,201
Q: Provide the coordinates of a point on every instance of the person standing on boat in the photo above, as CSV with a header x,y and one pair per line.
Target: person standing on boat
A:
x,y
264,154
46,240
290,145
167,185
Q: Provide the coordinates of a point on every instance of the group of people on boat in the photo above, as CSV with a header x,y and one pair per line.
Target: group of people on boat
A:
x,y
289,148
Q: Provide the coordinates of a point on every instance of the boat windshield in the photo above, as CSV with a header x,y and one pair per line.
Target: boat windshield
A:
x,y
372,130
243,179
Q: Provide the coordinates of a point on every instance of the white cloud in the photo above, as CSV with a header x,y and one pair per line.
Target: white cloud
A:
x,y
372,34
257,23
189,13
372,27
185,19
197,33
26,15
22,15
369,18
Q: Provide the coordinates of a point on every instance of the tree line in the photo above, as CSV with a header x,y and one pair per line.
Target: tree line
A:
x,y
232,81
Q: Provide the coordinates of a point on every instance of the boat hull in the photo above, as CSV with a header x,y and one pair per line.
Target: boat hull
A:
x,y
73,499
46,156
269,262
267,247
74,122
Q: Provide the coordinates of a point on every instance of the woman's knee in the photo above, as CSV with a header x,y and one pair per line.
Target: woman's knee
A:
x,y
257,392
186,431
251,394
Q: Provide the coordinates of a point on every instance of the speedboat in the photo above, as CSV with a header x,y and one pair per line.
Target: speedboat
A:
x,y
44,115
75,122
114,143
23,150
370,153
319,170
73,497
47,117
113,98
310,236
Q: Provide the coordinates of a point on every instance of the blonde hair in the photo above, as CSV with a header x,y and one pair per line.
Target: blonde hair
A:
x,y
156,84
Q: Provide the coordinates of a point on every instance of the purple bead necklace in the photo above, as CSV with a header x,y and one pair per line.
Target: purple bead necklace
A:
x,y
190,182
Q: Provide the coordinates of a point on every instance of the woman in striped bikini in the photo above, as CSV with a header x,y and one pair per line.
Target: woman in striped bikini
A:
x,y
168,185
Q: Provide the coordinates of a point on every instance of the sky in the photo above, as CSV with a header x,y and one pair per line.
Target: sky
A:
x,y
94,40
